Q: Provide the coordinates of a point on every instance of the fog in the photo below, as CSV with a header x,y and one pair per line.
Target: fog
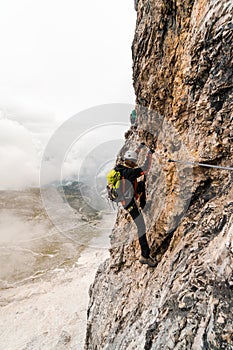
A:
x,y
57,59
20,246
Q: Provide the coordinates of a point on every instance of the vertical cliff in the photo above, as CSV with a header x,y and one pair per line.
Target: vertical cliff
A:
x,y
183,79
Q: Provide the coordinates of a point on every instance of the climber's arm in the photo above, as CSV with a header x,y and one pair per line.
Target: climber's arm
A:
x,y
142,145
146,166
134,173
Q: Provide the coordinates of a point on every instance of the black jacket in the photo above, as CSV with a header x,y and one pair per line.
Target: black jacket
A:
x,y
129,178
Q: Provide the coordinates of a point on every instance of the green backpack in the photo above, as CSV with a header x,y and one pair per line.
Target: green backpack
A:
x,y
114,185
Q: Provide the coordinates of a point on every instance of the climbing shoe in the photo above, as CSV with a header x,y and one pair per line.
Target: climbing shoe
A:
x,y
148,261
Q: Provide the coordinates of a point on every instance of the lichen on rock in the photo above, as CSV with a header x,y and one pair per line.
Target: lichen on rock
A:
x,y
182,72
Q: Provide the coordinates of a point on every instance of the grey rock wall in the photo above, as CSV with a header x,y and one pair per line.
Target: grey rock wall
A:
x,y
182,71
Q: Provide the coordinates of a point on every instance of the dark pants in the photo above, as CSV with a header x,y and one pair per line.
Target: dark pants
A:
x,y
137,217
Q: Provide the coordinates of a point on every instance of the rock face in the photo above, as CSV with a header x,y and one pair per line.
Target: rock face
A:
x,y
182,71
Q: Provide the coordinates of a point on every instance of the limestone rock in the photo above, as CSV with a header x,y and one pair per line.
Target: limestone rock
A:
x,y
182,71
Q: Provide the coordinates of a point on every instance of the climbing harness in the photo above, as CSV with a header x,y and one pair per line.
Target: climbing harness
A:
x,y
201,164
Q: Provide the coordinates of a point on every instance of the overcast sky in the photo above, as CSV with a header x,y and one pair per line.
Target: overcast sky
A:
x,y
57,59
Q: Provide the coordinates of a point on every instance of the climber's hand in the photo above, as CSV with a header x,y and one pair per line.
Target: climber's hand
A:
x,y
142,144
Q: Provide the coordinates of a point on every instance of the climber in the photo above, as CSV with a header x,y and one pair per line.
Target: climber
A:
x,y
130,172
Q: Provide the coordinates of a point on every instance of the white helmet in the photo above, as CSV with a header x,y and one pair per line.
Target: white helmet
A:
x,y
131,155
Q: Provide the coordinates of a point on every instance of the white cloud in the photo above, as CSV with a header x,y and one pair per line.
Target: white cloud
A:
x,y
94,147
19,165
57,58
66,56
